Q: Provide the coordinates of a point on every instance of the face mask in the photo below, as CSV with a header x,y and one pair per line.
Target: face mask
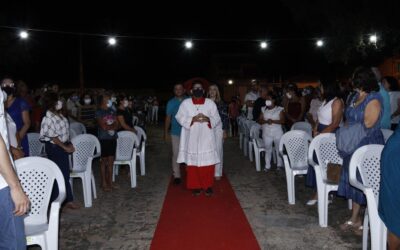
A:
x,y
126,103
268,103
87,101
9,90
109,104
113,99
288,95
59,105
197,93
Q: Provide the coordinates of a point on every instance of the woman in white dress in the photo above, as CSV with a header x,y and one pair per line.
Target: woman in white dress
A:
x,y
272,118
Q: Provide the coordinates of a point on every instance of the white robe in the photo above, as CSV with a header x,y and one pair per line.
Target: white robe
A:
x,y
197,143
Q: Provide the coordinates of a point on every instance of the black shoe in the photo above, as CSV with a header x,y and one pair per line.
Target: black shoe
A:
x,y
209,192
177,181
196,192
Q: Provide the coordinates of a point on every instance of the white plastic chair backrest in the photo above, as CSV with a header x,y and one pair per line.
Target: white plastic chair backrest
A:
x,y
386,133
247,125
141,134
304,126
296,143
37,176
78,127
84,145
35,145
326,151
255,131
135,120
126,141
367,160
241,125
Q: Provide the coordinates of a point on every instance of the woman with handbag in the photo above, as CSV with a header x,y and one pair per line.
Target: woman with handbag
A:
x,y
363,117
329,117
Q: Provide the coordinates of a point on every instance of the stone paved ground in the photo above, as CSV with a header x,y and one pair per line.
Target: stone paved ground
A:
x,y
127,218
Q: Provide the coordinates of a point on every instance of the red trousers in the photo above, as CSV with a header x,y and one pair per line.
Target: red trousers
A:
x,y
200,177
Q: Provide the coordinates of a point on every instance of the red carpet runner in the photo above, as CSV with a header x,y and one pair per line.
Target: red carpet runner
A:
x,y
204,223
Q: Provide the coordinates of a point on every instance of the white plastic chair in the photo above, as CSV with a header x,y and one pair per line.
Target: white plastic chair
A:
x,y
126,154
367,161
258,145
326,151
36,147
254,133
247,140
135,120
304,126
386,133
296,144
82,160
240,120
141,149
37,176
75,129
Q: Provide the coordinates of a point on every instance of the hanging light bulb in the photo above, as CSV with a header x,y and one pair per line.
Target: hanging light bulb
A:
x,y
320,43
112,41
230,82
23,34
263,45
188,44
373,38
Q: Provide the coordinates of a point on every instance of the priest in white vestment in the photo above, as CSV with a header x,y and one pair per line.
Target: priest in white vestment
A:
x,y
197,148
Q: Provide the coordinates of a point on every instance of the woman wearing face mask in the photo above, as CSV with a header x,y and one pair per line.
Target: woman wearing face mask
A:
x,y
124,114
272,118
55,133
107,127
365,108
294,106
221,130
18,109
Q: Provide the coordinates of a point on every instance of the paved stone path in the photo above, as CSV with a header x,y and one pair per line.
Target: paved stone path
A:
x,y
127,218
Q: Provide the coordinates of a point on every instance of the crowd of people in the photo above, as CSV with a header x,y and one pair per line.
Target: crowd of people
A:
x,y
198,121
50,112
367,102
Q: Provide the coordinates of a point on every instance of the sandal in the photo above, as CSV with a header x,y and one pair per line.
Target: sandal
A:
x,y
348,225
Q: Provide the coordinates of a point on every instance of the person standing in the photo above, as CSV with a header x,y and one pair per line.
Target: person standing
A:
x,y
54,131
175,132
18,109
250,98
233,110
389,199
154,115
13,201
198,116
221,131
107,127
259,103
272,118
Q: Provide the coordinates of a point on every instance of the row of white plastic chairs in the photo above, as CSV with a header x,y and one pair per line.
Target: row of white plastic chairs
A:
x,y
298,153
87,147
298,149
37,175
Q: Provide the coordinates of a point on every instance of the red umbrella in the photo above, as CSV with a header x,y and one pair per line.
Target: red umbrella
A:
x,y
188,84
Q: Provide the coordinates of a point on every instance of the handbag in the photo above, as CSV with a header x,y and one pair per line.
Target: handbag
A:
x,y
348,138
333,171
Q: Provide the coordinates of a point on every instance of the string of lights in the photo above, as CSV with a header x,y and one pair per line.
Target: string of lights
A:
x,y
112,40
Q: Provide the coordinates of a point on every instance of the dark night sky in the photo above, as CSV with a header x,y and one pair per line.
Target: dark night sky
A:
x,y
54,57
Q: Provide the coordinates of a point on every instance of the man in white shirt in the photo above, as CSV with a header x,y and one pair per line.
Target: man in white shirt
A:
x,y
13,201
250,98
198,116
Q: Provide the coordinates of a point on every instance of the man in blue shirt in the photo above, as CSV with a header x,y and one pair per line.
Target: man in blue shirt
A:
x,y
170,121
